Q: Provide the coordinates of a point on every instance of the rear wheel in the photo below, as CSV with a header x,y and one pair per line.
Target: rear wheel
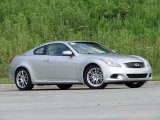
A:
x,y
23,80
64,86
134,84
93,77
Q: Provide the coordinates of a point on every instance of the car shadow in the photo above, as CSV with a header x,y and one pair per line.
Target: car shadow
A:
x,y
74,88
77,89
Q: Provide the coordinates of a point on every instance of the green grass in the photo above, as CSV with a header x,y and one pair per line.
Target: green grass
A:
x,y
127,26
5,81
156,77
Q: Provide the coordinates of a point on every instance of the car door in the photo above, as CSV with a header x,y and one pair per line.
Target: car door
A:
x,y
57,66
38,64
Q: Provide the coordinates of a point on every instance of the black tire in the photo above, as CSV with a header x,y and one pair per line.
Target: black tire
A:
x,y
92,83
23,79
134,84
64,86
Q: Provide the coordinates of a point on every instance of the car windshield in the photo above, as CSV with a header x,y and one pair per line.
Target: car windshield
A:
x,y
90,48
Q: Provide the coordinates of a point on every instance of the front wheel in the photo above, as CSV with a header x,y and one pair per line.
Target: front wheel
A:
x,y
134,84
23,80
64,86
93,77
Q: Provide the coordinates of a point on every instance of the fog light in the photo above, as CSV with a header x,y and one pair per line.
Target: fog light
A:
x,y
114,75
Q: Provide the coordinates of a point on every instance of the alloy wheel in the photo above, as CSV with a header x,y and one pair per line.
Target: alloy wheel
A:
x,y
23,80
95,77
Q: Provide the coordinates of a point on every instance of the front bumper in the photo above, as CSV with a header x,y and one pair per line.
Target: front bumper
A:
x,y
124,74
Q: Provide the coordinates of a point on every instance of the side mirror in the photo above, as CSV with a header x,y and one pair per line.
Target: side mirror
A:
x,y
67,53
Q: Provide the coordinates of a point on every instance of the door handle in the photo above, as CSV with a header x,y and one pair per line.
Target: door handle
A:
x,y
47,60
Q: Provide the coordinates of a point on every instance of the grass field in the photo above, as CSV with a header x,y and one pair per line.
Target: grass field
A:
x,y
126,26
156,77
5,81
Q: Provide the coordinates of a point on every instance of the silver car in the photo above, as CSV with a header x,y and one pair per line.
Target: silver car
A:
x,y
67,63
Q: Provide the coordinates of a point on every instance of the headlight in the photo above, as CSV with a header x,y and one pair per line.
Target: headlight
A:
x,y
111,63
147,63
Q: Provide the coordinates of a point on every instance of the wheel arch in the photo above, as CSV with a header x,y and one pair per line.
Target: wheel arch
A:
x,y
21,67
102,85
90,64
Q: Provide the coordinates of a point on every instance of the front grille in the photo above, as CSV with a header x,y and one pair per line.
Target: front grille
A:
x,y
135,65
137,75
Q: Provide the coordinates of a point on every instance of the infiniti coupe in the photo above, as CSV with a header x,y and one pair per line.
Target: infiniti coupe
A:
x,y
67,63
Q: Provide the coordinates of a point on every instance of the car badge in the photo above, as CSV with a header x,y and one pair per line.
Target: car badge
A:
x,y
136,64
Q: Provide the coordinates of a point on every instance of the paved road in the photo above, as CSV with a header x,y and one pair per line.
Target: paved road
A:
x,y
116,102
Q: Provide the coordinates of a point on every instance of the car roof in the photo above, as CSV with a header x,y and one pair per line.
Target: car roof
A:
x,y
68,41
65,42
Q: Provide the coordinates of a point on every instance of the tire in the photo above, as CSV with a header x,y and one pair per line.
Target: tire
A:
x,y
93,77
134,84
23,80
64,86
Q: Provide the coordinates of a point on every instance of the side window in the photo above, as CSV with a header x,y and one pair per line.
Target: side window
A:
x,y
56,49
39,51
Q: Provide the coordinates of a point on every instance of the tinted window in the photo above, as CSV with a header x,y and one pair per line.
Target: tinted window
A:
x,y
39,51
56,49
89,48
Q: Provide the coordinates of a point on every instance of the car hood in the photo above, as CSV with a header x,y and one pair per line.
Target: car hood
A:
x,y
118,57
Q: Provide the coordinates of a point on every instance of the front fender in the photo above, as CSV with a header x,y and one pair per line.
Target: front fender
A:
x,y
84,65
28,67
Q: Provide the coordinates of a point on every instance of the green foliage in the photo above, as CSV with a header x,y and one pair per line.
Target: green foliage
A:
x,y
127,26
5,81
156,77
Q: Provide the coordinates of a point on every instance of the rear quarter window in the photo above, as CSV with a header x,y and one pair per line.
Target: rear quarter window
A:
x,y
39,51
